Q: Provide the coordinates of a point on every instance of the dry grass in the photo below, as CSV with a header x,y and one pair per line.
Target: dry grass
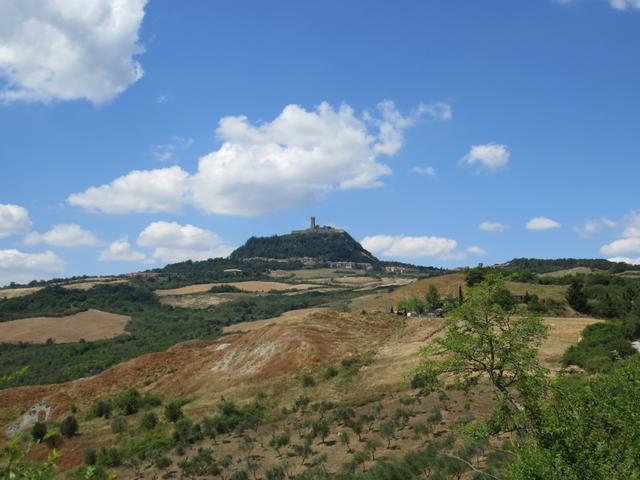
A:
x,y
201,300
83,285
90,325
249,286
545,292
563,332
18,292
255,325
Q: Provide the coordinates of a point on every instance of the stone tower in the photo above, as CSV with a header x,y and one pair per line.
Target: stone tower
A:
x,y
312,225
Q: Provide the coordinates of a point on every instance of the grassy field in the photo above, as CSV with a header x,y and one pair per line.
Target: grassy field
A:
x,y
251,286
90,325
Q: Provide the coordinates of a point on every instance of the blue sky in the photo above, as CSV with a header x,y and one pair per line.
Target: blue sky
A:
x,y
410,124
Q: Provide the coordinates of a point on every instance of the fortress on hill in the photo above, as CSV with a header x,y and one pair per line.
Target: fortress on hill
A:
x,y
314,228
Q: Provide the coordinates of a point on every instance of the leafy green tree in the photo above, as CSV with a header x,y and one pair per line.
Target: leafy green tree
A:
x,y
129,402
576,297
483,339
585,429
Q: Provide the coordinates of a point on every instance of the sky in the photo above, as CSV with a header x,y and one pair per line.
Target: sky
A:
x,y
136,133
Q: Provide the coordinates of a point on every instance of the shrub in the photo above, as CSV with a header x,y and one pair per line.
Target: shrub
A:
x,y
330,372
308,381
173,412
39,431
101,408
69,427
118,425
109,457
129,402
149,421
90,456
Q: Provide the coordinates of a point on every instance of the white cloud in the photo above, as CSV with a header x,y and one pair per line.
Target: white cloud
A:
x,y
122,251
474,250
426,171
494,227
624,245
630,241
65,235
490,157
167,151
69,49
542,223
295,159
409,247
14,220
20,267
625,4
591,227
630,261
175,243
142,191
162,99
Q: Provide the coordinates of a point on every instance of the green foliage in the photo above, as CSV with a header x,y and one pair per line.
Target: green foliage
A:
x,y
224,288
433,301
534,265
39,431
173,411
588,430
129,402
474,276
333,247
69,427
484,338
576,297
118,425
308,381
601,345
149,421
90,456
101,408
330,372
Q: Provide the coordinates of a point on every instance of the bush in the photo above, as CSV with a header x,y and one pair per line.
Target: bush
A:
x,y
109,457
149,421
39,431
308,381
330,372
101,408
129,402
90,456
118,425
69,427
173,411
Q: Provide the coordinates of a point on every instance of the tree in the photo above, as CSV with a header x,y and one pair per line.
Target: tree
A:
x,y
433,300
39,431
483,339
584,429
576,297
69,427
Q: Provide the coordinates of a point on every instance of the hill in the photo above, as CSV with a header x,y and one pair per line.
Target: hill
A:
x,y
536,265
332,246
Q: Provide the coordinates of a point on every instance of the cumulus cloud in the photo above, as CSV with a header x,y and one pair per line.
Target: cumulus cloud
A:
x,y
542,223
175,243
297,158
69,49
475,250
425,171
494,227
591,227
122,251
625,4
64,235
489,158
20,267
630,241
409,247
14,220
629,260
142,191
166,152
